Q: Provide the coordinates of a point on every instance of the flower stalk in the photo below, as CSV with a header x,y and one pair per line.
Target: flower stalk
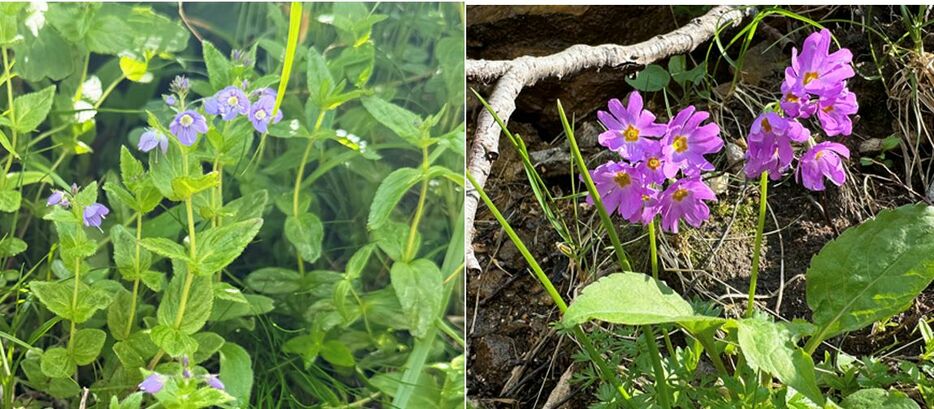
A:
x,y
757,246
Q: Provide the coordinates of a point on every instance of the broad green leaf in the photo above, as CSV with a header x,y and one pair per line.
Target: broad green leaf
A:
x,y
119,28
47,56
57,363
56,296
217,65
320,81
118,315
388,194
187,186
174,342
878,398
31,109
10,200
225,291
11,246
87,344
197,306
337,353
305,233
450,54
274,280
220,246
208,344
392,237
769,347
131,169
125,253
401,121
256,305
652,78
631,299
358,261
872,271
5,142
165,248
9,14
236,372
128,356
248,206
419,287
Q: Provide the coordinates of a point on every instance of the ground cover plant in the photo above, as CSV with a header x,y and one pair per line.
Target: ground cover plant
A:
x,y
240,205
628,216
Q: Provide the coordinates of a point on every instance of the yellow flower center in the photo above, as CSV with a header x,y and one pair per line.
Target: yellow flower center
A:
x,y
653,163
680,194
260,115
232,101
631,134
186,120
818,155
827,108
622,179
766,126
680,144
791,98
810,76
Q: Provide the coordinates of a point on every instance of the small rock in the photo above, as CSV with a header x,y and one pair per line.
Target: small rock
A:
x,y
734,154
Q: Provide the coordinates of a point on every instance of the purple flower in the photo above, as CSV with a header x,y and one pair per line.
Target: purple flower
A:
x,y
94,214
834,112
686,142
214,382
652,164
684,199
228,103
260,113
818,71
796,102
628,128
153,383
621,188
264,92
769,145
187,126
58,198
823,160
152,138
169,99
180,85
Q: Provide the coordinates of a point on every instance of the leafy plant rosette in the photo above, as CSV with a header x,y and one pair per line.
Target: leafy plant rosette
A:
x,y
869,273
152,291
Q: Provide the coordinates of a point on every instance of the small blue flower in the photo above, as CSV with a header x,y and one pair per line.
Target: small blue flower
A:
x,y
169,99
228,103
94,214
58,198
213,381
180,85
152,384
152,138
260,113
187,126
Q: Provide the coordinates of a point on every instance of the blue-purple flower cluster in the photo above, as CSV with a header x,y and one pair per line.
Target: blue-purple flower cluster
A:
x,y
92,215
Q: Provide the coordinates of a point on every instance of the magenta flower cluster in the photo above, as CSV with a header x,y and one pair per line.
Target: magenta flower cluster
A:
x,y
654,154
814,86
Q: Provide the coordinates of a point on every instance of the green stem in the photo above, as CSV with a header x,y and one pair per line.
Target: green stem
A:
x,y
74,303
139,237
607,372
653,255
10,108
450,332
661,382
594,194
754,274
189,277
419,209
298,180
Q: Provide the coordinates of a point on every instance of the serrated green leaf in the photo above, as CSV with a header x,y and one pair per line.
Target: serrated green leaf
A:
x,y
404,123
769,347
274,280
419,287
165,248
31,109
198,305
57,363
174,342
878,398
220,246
306,233
87,344
217,65
388,194
208,344
56,296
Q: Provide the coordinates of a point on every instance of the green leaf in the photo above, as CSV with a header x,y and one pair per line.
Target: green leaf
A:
x,y
878,398
165,248
118,315
248,206
5,142
31,109
174,342
87,344
47,56
305,233
225,291
391,238
401,121
131,169
419,287
220,246
56,363
117,28
769,347
256,305
217,65
237,372
128,357
320,81
10,200
208,344
872,271
274,280
56,296
337,354
11,246
631,299
197,307
187,186
652,78
358,261
125,251
388,194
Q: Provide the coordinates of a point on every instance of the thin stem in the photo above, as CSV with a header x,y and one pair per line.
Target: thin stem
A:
x,y
419,209
74,302
189,277
653,256
110,88
754,274
298,180
139,235
10,108
450,332
661,382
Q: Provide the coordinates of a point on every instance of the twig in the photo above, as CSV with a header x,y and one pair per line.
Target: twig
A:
x,y
516,74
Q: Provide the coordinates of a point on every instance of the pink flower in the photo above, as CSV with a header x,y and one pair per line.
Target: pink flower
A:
x,y
796,102
823,160
816,69
652,164
622,189
629,128
834,112
684,199
769,145
687,141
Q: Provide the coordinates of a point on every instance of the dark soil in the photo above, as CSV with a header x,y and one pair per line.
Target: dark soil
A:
x,y
515,357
